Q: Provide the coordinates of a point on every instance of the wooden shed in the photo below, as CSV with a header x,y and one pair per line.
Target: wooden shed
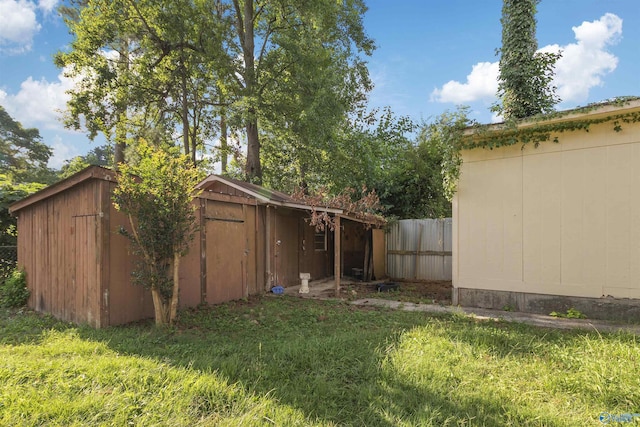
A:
x,y
76,262
277,241
249,239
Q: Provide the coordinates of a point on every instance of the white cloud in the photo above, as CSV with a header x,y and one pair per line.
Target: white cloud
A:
x,y
18,25
482,83
582,66
61,152
47,6
38,102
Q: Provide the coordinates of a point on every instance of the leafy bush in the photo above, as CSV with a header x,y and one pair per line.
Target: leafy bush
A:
x,y
14,292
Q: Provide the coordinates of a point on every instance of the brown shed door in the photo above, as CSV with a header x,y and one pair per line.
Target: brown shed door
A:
x,y
226,260
86,286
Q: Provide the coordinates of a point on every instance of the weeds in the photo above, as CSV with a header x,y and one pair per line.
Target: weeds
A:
x,y
571,313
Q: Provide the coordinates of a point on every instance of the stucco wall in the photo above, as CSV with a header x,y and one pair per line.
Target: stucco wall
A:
x,y
560,219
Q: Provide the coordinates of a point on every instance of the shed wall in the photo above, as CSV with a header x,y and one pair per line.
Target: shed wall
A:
x,y
562,219
58,248
126,302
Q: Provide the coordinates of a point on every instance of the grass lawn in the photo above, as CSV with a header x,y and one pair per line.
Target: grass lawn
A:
x,y
288,361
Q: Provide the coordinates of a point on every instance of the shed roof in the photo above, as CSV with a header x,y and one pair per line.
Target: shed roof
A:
x,y
261,194
91,172
264,195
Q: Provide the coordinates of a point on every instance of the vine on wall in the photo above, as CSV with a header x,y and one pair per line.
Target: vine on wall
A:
x,y
533,130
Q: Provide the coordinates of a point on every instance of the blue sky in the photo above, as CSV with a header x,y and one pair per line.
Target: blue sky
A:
x,y
431,56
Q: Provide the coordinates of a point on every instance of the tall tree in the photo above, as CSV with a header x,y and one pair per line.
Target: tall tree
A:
x,y
99,102
192,67
23,169
280,41
525,87
140,70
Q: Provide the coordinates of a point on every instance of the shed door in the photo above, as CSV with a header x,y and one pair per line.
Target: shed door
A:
x,y
226,257
83,298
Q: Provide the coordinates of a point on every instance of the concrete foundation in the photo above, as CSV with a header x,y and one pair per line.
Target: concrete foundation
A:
x,y
621,309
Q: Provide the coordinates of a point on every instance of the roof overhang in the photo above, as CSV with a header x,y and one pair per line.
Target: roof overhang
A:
x,y
263,199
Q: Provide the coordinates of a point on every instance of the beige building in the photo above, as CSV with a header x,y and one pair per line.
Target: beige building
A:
x,y
554,227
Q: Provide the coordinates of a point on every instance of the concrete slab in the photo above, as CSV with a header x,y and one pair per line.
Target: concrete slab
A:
x,y
487,314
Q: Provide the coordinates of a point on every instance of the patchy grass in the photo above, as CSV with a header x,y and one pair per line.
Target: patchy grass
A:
x,y
426,292
288,361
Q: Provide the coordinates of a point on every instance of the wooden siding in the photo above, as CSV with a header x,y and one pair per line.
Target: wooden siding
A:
x,y
126,302
285,250
316,262
58,248
79,266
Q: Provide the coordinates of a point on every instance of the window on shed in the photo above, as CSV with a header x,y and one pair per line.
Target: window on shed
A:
x,y
320,240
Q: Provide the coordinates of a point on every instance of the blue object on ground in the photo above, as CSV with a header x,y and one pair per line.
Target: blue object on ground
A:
x,y
277,290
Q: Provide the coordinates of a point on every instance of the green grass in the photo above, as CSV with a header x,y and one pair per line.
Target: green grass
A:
x,y
288,361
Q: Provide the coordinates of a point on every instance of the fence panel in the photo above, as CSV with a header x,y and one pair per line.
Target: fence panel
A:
x,y
8,261
420,249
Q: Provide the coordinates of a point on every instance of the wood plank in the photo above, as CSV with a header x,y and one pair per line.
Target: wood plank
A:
x,y
221,197
337,267
203,251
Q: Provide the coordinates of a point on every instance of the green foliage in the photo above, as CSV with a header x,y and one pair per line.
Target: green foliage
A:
x,y
541,127
414,187
98,156
14,292
282,70
155,192
525,75
571,313
11,192
21,150
445,136
23,166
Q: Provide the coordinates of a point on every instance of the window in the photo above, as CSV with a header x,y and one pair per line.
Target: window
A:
x,y
320,240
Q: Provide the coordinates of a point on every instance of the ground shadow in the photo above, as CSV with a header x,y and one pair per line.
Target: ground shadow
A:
x,y
303,354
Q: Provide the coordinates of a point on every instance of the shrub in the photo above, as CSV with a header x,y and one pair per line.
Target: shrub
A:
x,y
14,292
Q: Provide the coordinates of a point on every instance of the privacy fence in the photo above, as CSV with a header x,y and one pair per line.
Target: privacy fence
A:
x,y
419,249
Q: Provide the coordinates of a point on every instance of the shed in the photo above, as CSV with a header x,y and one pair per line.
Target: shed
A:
x,y
76,262
278,242
249,239
554,227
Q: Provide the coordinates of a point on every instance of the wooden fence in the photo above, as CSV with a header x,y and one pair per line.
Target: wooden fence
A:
x,y
419,249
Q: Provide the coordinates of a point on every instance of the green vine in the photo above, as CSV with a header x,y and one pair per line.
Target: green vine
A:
x,y
452,136
538,129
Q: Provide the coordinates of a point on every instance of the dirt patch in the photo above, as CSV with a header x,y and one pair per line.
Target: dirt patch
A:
x,y
437,291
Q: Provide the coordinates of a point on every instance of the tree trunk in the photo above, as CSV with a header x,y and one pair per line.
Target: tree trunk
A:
x,y
176,288
254,169
121,138
159,307
121,125
224,146
185,113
